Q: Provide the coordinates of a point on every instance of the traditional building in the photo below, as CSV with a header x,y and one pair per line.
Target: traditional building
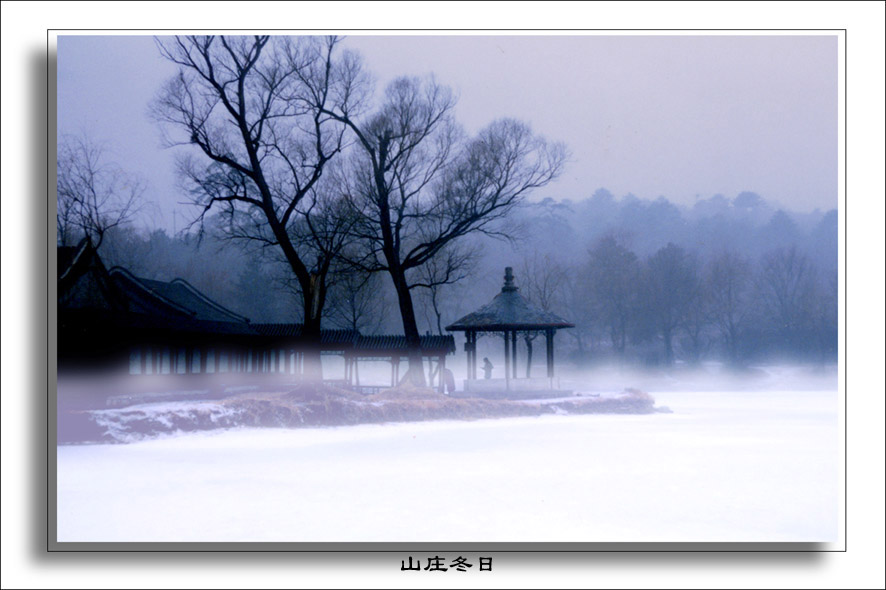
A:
x,y
114,319
509,314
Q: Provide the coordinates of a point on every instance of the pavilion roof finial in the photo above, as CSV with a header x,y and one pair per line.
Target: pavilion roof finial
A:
x,y
509,285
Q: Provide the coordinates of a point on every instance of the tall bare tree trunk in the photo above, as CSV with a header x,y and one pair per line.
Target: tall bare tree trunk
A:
x,y
314,299
415,373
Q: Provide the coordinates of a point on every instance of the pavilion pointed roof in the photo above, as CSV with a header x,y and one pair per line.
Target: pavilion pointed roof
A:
x,y
509,311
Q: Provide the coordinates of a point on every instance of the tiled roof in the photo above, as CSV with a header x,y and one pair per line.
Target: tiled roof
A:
x,y
285,330
182,293
144,300
185,325
386,342
65,258
83,281
327,337
509,311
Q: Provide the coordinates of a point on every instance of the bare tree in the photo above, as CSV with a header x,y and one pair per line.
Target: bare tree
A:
x,y
786,287
825,315
447,268
670,289
419,185
543,282
94,195
729,288
613,277
578,308
696,322
356,303
254,111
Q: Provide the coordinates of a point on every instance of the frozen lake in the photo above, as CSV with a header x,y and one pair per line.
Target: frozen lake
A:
x,y
742,466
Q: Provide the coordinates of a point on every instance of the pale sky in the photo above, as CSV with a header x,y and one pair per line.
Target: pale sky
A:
x,y
685,117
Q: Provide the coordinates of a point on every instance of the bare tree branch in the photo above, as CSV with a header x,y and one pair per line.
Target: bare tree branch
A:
x,y
419,185
94,195
255,111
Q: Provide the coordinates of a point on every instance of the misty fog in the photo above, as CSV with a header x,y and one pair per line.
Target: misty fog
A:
x,y
758,285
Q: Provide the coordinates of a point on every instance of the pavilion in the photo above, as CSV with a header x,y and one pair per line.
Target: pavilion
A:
x,y
509,313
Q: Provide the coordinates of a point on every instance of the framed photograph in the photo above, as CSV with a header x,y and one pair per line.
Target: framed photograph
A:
x,y
447,290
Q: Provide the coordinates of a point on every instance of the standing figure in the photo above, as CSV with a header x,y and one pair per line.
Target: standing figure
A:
x,y
487,368
448,381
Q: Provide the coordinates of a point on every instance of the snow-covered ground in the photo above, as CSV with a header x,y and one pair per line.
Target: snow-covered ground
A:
x,y
739,466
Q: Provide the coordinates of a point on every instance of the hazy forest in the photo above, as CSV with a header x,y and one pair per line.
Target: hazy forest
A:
x,y
732,278
749,282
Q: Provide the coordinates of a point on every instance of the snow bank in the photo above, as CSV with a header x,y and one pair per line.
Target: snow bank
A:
x,y
311,407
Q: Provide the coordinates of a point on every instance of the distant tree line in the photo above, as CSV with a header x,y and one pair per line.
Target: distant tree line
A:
x,y
737,283
675,302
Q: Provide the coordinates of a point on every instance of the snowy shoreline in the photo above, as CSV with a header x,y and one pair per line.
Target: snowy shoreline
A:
x,y
301,409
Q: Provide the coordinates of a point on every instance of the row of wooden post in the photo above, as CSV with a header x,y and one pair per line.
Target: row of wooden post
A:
x,y
510,338
153,361
196,360
352,371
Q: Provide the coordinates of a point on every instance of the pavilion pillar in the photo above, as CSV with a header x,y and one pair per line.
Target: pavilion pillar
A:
x,y
514,354
471,351
507,358
549,345
472,358
441,367
473,355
